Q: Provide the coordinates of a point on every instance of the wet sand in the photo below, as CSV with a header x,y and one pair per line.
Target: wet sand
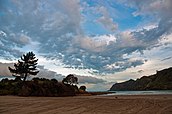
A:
x,y
128,104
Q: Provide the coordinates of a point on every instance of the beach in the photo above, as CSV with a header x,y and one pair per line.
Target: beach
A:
x,y
116,104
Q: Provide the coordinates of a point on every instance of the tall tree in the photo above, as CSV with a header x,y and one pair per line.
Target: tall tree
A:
x,y
26,66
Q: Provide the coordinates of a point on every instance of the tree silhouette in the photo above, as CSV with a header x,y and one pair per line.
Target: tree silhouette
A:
x,y
83,88
27,66
70,79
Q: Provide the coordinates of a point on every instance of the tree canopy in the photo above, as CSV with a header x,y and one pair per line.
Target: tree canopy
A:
x,y
83,88
70,79
26,66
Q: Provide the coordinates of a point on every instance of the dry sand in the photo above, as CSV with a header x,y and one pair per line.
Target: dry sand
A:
x,y
136,104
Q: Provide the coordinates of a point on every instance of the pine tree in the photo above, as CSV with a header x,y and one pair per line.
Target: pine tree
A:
x,y
27,66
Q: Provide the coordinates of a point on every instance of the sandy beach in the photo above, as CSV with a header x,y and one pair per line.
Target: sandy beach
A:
x,y
126,104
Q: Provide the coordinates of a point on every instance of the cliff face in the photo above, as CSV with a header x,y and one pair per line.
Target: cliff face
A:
x,y
162,80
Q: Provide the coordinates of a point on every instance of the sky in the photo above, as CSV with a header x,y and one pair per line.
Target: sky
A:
x,y
100,41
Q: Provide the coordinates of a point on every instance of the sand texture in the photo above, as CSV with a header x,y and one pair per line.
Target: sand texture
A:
x,y
138,104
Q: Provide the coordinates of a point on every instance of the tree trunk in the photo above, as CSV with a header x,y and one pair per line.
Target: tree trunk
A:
x,y
25,77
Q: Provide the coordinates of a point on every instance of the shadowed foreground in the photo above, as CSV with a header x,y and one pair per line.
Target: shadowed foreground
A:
x,y
140,104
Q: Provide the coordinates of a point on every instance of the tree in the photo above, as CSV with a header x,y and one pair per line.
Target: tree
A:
x,y
26,66
70,79
82,88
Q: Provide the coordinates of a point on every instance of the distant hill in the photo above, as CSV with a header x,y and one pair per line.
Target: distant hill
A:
x,y
162,80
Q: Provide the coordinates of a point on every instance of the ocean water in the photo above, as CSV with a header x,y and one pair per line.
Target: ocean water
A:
x,y
152,92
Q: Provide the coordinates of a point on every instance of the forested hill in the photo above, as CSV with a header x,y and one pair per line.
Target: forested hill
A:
x,y
162,80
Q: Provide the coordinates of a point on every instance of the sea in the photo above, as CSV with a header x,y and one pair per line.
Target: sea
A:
x,y
147,92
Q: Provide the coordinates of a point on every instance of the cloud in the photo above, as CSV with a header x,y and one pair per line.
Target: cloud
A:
x,y
100,86
159,11
89,79
106,20
4,69
94,83
126,39
123,65
9,42
43,73
24,39
140,71
156,58
160,8
48,74
167,58
96,43
3,34
54,30
41,21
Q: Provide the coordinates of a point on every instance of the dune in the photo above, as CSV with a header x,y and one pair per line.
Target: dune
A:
x,y
126,104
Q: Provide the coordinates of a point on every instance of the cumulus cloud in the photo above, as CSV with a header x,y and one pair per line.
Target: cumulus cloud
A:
x,y
126,39
106,20
96,43
122,65
3,34
56,27
160,8
159,11
40,20
11,43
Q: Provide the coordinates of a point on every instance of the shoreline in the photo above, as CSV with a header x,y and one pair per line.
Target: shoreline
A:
x,y
85,93
118,104
111,93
